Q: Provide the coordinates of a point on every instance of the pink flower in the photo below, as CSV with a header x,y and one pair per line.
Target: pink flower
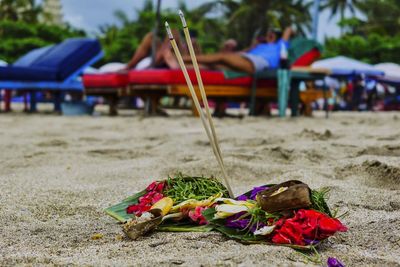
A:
x,y
196,216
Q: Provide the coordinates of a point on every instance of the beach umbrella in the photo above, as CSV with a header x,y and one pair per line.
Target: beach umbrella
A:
x,y
392,73
344,66
391,70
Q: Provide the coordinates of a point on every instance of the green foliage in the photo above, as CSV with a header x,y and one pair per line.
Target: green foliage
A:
x,y
241,20
182,187
372,49
18,38
20,30
318,200
382,17
374,39
21,10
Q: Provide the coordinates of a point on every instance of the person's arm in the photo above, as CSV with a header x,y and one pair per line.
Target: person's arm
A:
x,y
250,47
287,34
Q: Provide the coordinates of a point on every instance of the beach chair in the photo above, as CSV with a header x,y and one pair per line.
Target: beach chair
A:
x,y
152,84
55,68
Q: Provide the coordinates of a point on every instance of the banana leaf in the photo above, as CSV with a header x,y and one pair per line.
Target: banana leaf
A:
x,y
118,211
184,227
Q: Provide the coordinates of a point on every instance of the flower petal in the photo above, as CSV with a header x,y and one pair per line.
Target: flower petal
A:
x,y
266,230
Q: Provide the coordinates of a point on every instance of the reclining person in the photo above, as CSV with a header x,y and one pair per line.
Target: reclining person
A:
x,y
164,56
259,57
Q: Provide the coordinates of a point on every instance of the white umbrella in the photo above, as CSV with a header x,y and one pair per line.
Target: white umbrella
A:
x,y
391,70
344,66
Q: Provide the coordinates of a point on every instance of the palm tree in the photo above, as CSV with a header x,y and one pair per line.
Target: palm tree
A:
x,y
382,16
24,10
340,7
248,18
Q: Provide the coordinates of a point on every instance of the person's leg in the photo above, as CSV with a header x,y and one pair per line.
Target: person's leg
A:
x,y
142,51
165,55
232,60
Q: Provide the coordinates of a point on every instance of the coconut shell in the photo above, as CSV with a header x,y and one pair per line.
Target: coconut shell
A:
x,y
296,196
134,231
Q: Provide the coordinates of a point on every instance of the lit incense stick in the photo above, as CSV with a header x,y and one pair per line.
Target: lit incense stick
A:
x,y
198,107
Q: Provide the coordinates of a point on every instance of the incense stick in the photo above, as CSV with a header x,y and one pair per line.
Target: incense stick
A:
x,y
198,107
199,80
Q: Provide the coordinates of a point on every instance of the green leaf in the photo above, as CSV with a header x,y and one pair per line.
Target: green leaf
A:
x,y
118,211
184,228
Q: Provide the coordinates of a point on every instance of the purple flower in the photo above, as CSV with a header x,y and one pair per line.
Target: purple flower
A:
x,y
311,242
253,193
333,262
234,221
242,198
255,190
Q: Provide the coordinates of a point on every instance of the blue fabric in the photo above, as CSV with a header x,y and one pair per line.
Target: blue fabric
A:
x,y
69,56
15,73
54,63
32,56
270,52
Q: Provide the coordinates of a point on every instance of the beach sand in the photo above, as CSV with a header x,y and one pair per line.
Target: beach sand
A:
x,y
58,174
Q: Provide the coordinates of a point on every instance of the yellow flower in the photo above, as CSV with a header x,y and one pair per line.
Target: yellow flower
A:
x,y
164,204
192,203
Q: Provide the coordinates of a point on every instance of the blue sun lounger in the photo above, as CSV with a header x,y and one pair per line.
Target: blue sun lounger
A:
x,y
54,68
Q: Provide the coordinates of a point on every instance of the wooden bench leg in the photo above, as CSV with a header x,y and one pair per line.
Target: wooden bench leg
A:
x,y
33,102
308,109
7,100
57,98
194,111
112,103
294,98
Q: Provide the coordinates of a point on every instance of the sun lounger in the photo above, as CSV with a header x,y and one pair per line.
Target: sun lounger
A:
x,y
56,68
155,83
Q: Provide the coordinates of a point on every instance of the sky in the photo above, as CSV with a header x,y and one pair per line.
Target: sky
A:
x,y
90,14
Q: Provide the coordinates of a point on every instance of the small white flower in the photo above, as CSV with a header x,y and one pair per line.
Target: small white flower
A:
x,y
266,230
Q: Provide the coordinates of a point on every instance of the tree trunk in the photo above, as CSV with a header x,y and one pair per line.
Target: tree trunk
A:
x,y
341,20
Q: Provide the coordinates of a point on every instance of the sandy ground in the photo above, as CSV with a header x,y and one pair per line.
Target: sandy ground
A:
x,y
57,175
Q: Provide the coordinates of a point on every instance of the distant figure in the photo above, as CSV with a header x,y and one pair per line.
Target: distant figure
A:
x,y
358,90
257,58
164,56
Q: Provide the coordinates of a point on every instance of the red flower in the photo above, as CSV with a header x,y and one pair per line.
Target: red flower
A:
x,y
289,233
329,226
154,194
155,186
156,198
306,225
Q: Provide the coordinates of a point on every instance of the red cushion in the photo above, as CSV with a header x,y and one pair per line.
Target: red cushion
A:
x,y
175,77
166,76
105,80
307,58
